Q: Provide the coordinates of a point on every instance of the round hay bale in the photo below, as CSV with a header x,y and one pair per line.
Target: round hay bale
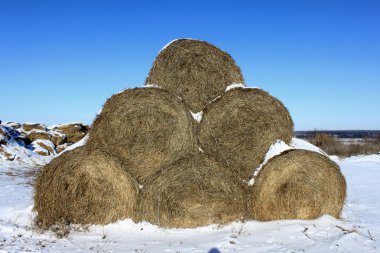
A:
x,y
238,128
146,128
13,124
194,70
37,135
84,188
33,126
298,184
74,131
193,191
58,138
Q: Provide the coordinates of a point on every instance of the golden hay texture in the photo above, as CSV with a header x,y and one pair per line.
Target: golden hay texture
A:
x,y
35,135
193,191
194,70
84,188
74,131
238,128
298,184
33,126
144,127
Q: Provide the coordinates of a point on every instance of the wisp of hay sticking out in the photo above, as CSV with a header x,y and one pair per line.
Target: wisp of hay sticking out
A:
x,y
194,70
84,187
193,191
298,184
146,128
238,128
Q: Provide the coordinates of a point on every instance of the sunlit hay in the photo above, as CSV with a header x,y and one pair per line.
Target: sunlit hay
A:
x,y
82,187
298,184
33,126
193,191
238,128
146,128
194,70
74,131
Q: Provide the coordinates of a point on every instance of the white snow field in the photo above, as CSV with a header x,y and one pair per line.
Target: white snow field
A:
x,y
357,231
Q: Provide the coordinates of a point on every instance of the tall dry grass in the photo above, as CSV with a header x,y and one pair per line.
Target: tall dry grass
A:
x,y
333,146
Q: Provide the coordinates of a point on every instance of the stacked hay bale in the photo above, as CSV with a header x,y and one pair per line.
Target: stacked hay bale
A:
x,y
193,191
298,184
84,187
194,70
146,128
148,159
239,127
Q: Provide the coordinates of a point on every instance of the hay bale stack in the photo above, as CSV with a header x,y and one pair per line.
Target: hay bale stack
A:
x,y
193,191
84,188
298,184
146,159
239,127
194,70
144,127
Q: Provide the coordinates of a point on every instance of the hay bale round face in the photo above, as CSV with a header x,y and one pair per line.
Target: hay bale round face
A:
x,y
84,188
298,184
193,191
194,70
145,128
238,128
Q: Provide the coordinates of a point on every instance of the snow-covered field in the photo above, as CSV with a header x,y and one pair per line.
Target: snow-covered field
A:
x,y
357,231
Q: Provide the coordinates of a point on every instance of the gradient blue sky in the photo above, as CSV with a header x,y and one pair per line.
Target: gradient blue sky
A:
x,y
60,60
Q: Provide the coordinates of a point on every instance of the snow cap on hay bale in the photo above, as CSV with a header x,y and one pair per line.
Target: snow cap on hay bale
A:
x,y
194,70
146,128
84,188
239,127
298,184
193,191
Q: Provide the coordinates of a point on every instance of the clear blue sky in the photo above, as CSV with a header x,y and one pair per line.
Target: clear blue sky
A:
x,y
60,60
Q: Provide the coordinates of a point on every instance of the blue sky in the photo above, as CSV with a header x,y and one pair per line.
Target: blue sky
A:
x,y
60,60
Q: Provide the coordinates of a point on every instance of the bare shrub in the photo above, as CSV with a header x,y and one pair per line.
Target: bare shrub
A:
x,y
333,146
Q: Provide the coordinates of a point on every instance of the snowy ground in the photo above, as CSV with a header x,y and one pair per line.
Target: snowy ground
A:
x,y
358,231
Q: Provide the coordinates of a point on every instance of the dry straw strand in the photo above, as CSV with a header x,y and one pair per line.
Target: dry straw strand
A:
x,y
194,70
298,184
